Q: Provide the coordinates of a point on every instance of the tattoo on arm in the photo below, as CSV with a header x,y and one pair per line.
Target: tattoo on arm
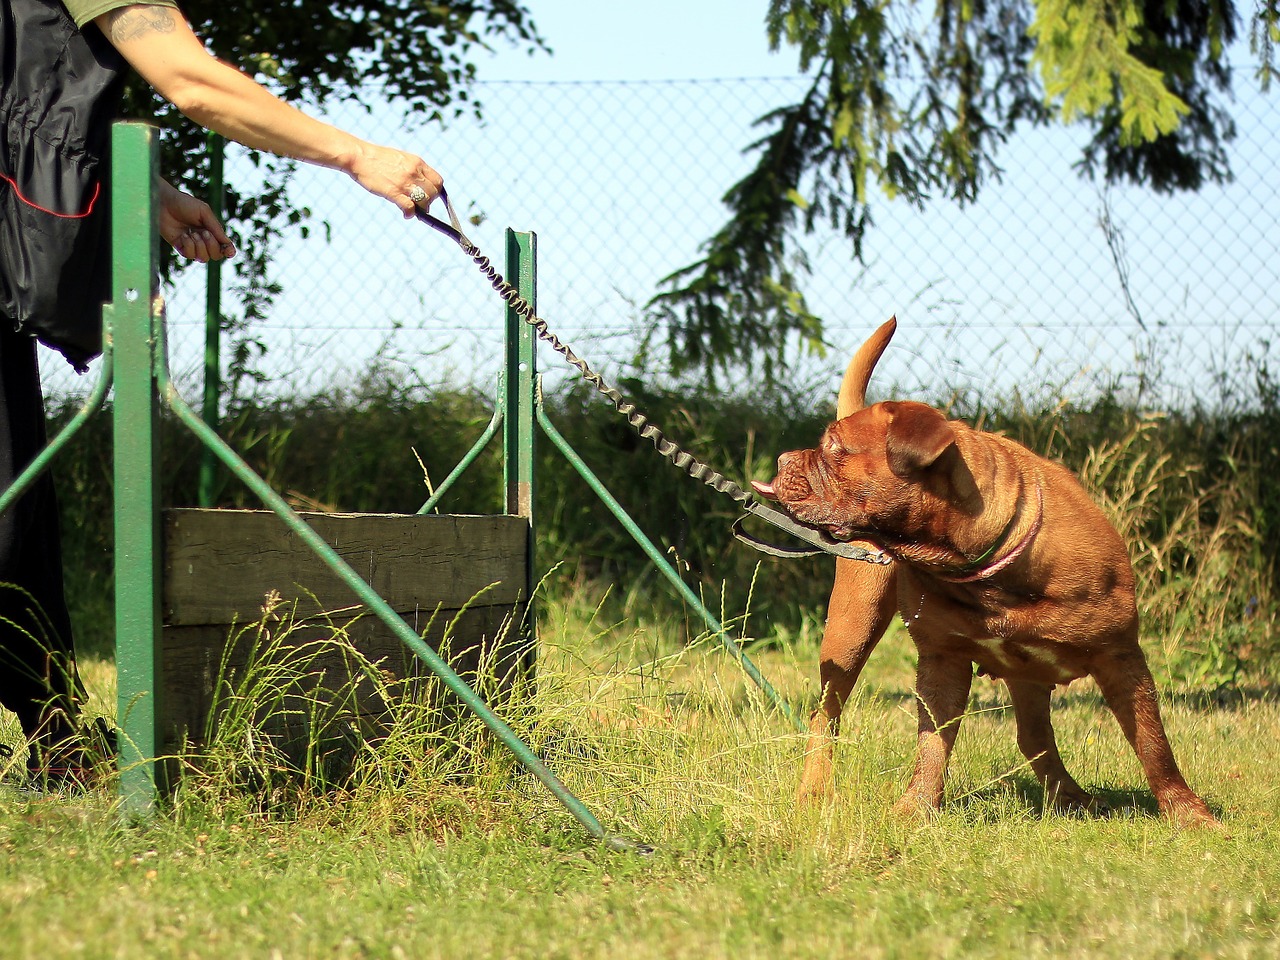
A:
x,y
134,22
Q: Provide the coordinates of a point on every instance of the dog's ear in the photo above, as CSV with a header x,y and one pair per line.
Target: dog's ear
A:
x,y
916,437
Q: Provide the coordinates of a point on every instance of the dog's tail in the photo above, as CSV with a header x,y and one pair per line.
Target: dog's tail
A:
x,y
853,391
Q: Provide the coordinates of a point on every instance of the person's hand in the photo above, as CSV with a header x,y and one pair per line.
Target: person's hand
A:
x,y
190,227
390,173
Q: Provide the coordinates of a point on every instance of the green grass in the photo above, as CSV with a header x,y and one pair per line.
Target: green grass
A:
x,y
670,745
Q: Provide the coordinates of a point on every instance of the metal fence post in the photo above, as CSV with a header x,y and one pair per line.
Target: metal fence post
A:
x,y
135,426
212,327
518,399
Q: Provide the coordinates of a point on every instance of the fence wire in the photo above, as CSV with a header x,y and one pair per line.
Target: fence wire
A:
x,y
1047,285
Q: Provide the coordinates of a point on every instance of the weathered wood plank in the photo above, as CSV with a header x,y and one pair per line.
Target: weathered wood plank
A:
x,y
455,576
221,564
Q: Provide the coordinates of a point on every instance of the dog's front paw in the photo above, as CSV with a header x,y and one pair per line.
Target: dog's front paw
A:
x,y
915,809
817,778
1192,814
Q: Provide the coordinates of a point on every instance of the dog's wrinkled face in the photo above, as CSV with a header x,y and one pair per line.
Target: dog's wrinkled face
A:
x,y
865,474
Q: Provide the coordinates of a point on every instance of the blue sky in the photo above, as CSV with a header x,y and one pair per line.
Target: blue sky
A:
x,y
661,40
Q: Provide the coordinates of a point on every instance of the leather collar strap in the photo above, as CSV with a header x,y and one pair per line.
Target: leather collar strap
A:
x,y
974,570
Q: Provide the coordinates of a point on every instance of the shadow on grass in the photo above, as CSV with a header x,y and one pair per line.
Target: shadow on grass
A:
x,y
983,804
994,698
1234,698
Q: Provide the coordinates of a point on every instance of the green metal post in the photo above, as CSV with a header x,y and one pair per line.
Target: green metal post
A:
x,y
212,328
518,400
135,248
522,253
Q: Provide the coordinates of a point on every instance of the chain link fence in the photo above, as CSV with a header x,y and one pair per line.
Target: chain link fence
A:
x,y
1048,285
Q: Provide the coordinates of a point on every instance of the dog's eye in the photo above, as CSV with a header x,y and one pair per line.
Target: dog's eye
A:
x,y
831,445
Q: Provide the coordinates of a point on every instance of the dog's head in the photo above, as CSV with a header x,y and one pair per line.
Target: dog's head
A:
x,y
866,474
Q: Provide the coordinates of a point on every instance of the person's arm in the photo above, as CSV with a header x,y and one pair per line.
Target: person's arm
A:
x,y
160,45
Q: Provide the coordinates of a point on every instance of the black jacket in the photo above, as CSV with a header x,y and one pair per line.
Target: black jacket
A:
x,y
61,90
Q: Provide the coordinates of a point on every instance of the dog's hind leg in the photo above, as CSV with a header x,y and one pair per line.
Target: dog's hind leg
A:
x,y
1037,743
1130,692
942,693
863,601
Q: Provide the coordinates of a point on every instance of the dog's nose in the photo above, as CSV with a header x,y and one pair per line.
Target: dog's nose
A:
x,y
791,483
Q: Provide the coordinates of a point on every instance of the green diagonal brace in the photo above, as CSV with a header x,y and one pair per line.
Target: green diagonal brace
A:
x,y
731,646
91,405
476,449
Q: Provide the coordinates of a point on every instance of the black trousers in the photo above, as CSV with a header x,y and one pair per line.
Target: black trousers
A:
x,y
38,679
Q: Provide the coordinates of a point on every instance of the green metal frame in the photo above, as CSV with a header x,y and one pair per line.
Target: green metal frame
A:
x,y
518,434
135,363
519,407
142,382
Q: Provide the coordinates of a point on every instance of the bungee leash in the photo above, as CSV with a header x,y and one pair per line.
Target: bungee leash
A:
x,y
819,540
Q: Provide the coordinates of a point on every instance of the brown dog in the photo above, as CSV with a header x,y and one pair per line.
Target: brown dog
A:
x,y
1000,559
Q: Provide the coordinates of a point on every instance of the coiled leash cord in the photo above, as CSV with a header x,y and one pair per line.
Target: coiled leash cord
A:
x,y
666,448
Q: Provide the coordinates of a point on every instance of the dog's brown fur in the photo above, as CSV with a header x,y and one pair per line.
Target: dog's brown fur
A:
x,y
1000,559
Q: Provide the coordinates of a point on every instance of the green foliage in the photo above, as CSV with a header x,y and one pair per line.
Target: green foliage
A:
x,y
1192,492
917,106
1083,53
742,301
888,107
1264,34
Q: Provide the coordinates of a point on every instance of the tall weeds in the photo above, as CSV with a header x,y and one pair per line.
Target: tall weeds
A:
x,y
660,734
302,716
1205,600
1193,492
